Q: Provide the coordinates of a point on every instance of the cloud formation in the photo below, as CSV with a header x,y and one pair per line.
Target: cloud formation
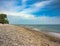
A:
x,y
34,20
24,11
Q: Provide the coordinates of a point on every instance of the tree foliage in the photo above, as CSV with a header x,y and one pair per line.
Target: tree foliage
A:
x,y
3,19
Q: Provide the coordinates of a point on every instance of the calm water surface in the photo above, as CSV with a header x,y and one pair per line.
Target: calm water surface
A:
x,y
52,28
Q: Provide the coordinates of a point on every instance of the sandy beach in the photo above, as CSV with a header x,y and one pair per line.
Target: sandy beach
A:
x,y
11,35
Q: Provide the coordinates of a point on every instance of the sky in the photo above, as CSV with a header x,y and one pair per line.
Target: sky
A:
x,y
31,11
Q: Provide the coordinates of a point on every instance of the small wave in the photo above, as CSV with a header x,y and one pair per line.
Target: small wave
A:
x,y
36,29
33,28
54,34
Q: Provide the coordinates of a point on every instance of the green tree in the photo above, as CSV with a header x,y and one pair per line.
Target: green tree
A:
x,y
3,19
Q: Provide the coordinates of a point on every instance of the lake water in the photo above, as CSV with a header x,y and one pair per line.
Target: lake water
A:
x,y
51,28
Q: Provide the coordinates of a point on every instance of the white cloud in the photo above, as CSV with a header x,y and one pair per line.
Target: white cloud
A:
x,y
20,14
25,14
41,4
43,19
48,20
31,19
10,6
37,6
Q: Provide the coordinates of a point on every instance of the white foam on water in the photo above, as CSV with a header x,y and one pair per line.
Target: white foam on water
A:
x,y
36,29
54,34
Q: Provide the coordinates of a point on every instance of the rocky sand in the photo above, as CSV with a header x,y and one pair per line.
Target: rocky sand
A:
x,y
11,35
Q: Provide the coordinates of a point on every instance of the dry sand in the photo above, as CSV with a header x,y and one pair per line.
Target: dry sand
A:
x,y
20,36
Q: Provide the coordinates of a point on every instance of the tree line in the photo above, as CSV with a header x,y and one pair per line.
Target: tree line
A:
x,y
3,19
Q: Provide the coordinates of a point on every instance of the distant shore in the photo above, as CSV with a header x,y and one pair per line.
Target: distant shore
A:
x,y
22,36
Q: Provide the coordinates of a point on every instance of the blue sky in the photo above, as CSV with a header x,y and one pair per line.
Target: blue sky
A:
x,y
31,11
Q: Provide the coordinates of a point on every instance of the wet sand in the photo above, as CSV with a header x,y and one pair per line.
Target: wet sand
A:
x,y
11,35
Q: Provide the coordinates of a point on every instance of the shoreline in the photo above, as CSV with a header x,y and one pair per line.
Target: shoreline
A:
x,y
53,34
50,33
12,35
